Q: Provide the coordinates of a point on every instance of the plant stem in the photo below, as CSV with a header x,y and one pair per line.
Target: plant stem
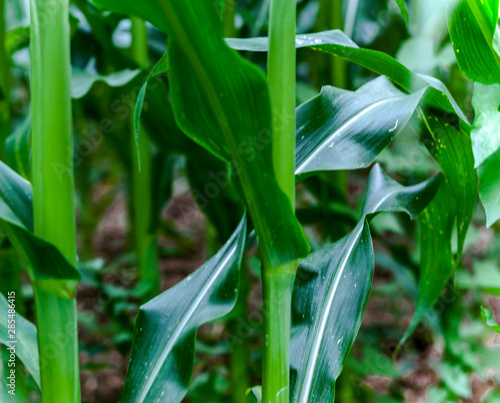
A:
x,y
53,192
4,84
141,198
278,283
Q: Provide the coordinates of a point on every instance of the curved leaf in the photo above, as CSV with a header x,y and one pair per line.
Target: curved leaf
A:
x,y
337,43
340,129
472,25
332,288
404,10
17,149
169,323
82,81
46,266
223,104
26,340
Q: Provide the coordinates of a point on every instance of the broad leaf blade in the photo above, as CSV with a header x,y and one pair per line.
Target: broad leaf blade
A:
x,y
26,340
46,266
332,288
489,188
452,207
472,25
223,104
17,149
338,44
162,359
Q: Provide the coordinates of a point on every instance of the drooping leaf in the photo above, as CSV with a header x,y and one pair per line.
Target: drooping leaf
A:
x,y
25,339
16,39
404,10
332,288
337,43
223,104
17,149
46,266
163,351
472,25
451,208
486,145
489,319
82,81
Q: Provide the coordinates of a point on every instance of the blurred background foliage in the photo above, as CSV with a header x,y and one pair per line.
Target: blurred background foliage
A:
x,y
453,356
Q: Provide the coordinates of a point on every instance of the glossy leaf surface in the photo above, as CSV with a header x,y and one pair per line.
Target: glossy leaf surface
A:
x,y
223,104
46,266
332,288
472,25
338,44
162,357
26,341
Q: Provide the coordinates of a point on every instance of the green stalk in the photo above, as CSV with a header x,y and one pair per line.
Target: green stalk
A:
x,y
4,84
278,283
53,192
141,197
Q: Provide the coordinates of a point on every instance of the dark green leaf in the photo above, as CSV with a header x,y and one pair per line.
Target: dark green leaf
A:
x,y
162,359
337,43
332,288
223,104
46,266
452,208
26,340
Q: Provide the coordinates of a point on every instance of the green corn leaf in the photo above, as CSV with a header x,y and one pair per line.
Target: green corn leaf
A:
x,y
337,43
404,10
163,351
340,129
223,104
16,39
486,146
332,288
17,149
46,266
472,25
82,81
489,319
452,208
26,340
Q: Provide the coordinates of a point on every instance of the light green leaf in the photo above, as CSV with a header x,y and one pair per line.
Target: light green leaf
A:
x,y
489,188
223,104
486,276
404,10
332,288
26,339
472,25
486,145
82,81
46,266
169,322
489,320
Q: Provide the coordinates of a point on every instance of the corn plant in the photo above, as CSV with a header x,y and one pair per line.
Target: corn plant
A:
x,y
222,108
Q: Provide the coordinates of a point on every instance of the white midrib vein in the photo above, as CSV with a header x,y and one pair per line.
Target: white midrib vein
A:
x,y
314,353
182,324
341,129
